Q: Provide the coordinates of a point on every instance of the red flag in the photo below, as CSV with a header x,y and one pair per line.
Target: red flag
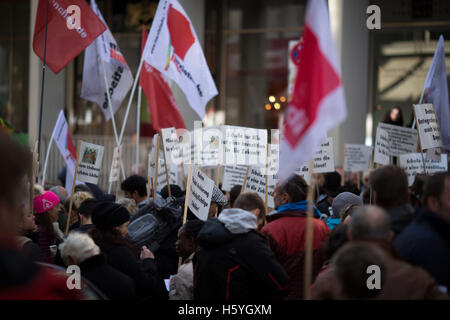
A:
x,y
318,102
161,103
64,44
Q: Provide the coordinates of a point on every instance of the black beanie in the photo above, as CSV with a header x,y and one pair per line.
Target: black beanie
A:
x,y
107,215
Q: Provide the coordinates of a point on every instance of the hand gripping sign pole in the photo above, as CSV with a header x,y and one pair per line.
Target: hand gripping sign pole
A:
x,y
73,186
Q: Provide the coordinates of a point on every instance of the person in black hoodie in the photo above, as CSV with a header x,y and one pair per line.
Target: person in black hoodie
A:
x,y
79,249
235,262
111,226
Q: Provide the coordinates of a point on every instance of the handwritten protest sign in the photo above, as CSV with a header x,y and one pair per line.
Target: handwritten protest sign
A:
x,y
200,193
428,126
413,165
304,173
357,157
114,174
91,156
162,177
171,145
401,140
244,146
324,157
382,147
256,182
233,176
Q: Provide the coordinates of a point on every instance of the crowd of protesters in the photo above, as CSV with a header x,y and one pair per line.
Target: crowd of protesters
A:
x,y
140,248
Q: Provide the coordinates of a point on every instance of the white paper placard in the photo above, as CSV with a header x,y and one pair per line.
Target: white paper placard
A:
x,y
90,162
324,157
256,182
200,193
401,140
382,147
162,179
244,146
412,163
428,126
114,174
211,151
171,145
357,157
233,176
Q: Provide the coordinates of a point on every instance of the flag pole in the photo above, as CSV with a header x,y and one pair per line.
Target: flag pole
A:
x,y
131,99
309,236
43,79
46,161
112,115
73,187
138,126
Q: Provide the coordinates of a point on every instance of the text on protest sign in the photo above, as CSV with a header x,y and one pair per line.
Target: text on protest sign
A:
x,y
413,165
244,146
200,193
90,162
357,157
382,147
401,140
114,174
162,179
171,145
256,182
233,176
428,126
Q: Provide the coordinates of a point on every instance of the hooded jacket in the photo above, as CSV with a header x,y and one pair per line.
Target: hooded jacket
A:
x,y
286,232
233,261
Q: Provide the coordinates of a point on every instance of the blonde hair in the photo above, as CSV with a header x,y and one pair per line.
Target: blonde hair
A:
x,y
129,204
79,197
38,190
78,245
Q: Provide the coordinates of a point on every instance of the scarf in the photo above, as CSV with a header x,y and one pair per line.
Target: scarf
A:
x,y
298,206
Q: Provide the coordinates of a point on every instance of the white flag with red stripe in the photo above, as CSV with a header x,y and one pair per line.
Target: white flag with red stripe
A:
x,y
318,102
104,50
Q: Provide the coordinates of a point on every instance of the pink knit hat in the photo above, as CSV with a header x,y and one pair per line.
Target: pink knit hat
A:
x,y
45,202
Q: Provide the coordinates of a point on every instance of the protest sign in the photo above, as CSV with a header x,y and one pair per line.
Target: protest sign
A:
x,y
114,174
324,157
162,175
304,173
382,147
427,126
357,157
200,193
170,143
256,182
233,176
210,148
90,162
244,146
401,140
412,163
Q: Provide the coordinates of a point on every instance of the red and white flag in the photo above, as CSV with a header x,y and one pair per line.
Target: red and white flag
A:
x,y
162,106
318,102
63,43
104,51
173,49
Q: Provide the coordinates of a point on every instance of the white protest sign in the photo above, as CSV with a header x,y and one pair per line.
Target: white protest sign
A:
x,y
244,146
428,126
324,157
90,162
412,163
304,173
357,157
211,151
256,182
171,145
382,147
114,174
401,140
162,179
233,176
200,193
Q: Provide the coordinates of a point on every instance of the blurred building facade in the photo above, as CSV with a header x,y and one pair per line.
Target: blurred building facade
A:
x,y
246,44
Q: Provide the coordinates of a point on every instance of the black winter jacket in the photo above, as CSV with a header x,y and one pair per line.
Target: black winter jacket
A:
x,y
113,283
235,266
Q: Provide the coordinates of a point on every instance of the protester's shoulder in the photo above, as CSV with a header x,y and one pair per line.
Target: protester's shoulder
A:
x,y
417,236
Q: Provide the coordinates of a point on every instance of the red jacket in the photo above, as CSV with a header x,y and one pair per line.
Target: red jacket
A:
x,y
286,232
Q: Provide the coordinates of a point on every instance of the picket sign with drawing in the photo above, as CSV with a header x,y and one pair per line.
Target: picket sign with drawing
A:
x,y
88,164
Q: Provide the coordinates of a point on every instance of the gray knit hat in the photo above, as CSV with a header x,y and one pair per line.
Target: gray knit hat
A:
x,y
343,200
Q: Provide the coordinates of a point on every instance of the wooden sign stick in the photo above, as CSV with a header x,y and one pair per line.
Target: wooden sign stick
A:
x,y
165,166
343,168
73,187
186,201
266,196
245,179
31,176
149,179
156,167
309,236
420,144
